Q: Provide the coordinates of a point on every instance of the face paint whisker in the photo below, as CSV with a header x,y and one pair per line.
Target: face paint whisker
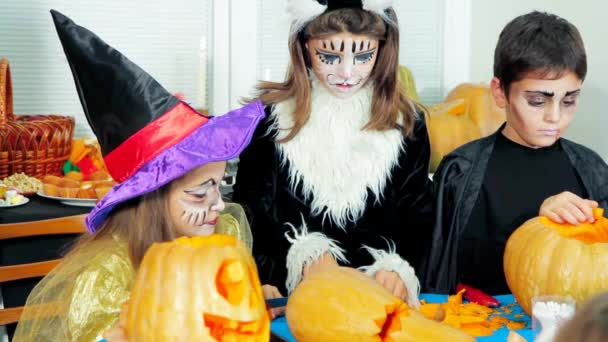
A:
x,y
189,218
335,80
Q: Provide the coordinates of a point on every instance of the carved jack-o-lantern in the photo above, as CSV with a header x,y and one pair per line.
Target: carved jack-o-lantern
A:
x,y
197,289
343,304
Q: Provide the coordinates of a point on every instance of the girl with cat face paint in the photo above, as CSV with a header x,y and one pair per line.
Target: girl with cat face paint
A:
x,y
343,62
341,160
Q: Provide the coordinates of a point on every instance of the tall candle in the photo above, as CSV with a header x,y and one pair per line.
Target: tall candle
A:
x,y
201,99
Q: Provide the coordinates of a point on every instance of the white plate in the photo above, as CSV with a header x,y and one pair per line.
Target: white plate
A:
x,y
77,202
26,200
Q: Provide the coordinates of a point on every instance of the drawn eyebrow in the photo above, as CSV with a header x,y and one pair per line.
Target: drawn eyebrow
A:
x,y
342,47
365,52
551,94
539,92
573,92
206,184
319,51
332,45
209,181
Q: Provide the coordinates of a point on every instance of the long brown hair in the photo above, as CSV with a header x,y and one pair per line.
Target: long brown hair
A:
x,y
141,222
389,98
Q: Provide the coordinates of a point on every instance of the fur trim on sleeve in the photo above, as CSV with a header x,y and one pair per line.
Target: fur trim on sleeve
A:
x,y
306,248
392,262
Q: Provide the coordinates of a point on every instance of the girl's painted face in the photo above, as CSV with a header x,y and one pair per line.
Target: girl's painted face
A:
x,y
539,110
195,200
343,61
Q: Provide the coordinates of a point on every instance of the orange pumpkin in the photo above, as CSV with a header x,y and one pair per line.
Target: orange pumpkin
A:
x,y
469,112
343,304
449,128
481,107
545,258
197,289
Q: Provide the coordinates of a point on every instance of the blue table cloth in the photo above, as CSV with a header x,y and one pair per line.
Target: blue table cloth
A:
x,y
279,325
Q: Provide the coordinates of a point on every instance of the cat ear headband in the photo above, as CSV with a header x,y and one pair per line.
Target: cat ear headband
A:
x,y
304,11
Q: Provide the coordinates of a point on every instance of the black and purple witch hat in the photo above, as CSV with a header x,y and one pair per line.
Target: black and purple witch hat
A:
x,y
148,137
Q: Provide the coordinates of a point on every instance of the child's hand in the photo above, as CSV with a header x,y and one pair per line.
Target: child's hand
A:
x,y
568,208
392,282
324,260
271,292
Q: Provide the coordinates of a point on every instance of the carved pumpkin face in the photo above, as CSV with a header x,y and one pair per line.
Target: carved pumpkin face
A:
x,y
197,289
546,258
343,304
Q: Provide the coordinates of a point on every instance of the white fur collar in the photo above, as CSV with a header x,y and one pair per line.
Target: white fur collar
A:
x,y
333,158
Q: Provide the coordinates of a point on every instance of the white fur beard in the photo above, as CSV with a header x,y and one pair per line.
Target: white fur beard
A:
x,y
333,158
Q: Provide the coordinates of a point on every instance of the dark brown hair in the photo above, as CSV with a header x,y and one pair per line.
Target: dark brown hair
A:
x,y
389,101
141,222
540,43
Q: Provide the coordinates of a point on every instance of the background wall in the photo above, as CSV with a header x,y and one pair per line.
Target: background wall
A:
x,y
590,127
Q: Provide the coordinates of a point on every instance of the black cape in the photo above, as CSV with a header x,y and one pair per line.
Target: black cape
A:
x,y
456,186
404,214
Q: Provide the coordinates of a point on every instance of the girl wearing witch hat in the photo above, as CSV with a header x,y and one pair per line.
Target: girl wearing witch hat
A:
x,y
343,153
169,161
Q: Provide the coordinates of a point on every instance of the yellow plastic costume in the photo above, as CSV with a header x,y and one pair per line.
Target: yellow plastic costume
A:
x,y
82,297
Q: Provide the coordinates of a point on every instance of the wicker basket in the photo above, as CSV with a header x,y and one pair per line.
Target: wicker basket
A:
x,y
37,145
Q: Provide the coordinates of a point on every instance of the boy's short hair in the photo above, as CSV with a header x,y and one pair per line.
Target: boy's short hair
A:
x,y
538,42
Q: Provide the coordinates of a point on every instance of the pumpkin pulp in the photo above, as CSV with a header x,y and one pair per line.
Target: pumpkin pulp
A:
x,y
392,321
472,318
222,328
589,233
